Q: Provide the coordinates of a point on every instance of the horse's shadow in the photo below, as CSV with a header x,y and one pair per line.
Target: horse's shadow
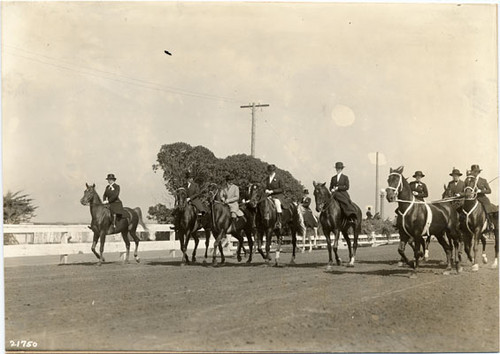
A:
x,y
208,264
400,272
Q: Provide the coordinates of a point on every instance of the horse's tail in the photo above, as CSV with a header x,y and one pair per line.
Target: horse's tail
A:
x,y
139,217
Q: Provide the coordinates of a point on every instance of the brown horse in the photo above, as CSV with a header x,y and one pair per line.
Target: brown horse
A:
x,y
416,219
266,223
187,223
474,223
102,223
332,220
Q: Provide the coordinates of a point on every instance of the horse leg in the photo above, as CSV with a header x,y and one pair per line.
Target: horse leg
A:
x,y
475,249
294,245
207,244
185,258
447,250
196,242
345,235
401,251
136,241
248,233
94,244
240,239
101,247
127,246
329,247
495,262
336,245
483,254
278,249
260,239
268,244
426,252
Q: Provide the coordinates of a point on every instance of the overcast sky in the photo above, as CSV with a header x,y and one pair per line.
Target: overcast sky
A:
x,y
87,90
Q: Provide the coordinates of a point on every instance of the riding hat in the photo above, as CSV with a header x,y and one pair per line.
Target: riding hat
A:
x,y
475,168
111,176
306,191
418,174
455,172
339,165
271,168
229,177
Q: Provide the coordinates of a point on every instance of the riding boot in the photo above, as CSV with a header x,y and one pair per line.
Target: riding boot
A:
x,y
233,224
278,221
114,221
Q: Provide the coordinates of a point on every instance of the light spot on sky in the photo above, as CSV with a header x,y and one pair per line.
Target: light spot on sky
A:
x,y
343,116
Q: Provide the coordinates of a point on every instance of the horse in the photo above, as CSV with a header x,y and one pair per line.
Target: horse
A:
x,y
102,223
222,224
416,219
332,220
309,224
266,223
474,223
187,224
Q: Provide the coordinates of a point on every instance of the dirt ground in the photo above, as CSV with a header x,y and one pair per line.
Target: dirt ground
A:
x,y
159,305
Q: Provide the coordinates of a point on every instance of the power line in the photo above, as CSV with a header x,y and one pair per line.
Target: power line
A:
x,y
84,70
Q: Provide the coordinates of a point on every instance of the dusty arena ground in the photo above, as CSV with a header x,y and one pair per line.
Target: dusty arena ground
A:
x,y
158,305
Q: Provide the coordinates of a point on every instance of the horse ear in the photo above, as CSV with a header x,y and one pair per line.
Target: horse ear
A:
x,y
400,169
93,185
323,184
86,185
314,184
391,170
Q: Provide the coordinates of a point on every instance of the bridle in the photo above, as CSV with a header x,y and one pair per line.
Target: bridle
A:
x,y
399,188
473,189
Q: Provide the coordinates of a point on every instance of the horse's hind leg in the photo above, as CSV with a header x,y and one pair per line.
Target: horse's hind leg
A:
x,y
448,248
207,244
127,246
94,244
136,241
345,235
196,241
101,247
426,248
401,251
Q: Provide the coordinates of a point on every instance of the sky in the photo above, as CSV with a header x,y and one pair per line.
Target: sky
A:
x,y
87,90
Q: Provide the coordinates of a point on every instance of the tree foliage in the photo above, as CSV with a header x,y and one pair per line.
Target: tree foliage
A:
x,y
378,226
17,208
160,214
175,159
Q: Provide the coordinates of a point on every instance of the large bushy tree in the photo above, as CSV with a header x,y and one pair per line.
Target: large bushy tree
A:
x,y
17,208
175,159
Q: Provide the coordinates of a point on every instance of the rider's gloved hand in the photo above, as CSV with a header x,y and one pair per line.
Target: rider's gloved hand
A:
x,y
415,193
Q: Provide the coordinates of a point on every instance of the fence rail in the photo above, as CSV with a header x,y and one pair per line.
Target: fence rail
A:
x,y
65,240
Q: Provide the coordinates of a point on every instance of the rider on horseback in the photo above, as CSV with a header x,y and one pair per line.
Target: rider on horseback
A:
x,y
339,185
456,186
111,198
419,188
483,188
193,194
230,195
274,189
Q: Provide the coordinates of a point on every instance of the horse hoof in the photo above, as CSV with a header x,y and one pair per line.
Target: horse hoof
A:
x,y
183,264
495,264
137,259
400,264
350,265
446,272
460,270
249,261
475,267
329,267
292,261
205,261
413,275
239,258
485,259
339,262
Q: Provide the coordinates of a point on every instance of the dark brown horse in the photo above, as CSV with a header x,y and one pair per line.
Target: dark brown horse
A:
x,y
221,215
266,223
474,223
187,223
332,220
102,223
417,219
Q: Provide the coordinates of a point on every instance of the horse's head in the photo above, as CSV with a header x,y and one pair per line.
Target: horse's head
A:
x,y
321,195
89,195
181,197
253,194
395,184
470,183
212,191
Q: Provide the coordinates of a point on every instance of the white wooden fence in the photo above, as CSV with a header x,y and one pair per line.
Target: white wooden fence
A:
x,y
65,240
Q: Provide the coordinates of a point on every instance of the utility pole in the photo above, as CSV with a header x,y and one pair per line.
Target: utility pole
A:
x,y
376,184
253,106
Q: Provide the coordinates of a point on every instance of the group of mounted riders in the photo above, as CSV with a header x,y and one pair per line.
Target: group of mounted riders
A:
x,y
337,211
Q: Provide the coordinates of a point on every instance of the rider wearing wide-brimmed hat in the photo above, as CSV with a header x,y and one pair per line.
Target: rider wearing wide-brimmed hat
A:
x,y
419,188
456,186
111,197
339,185
483,188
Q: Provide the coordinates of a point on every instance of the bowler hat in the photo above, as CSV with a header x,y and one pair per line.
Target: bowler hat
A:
x,y
475,168
271,168
111,176
306,191
418,174
455,172
339,165
229,177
